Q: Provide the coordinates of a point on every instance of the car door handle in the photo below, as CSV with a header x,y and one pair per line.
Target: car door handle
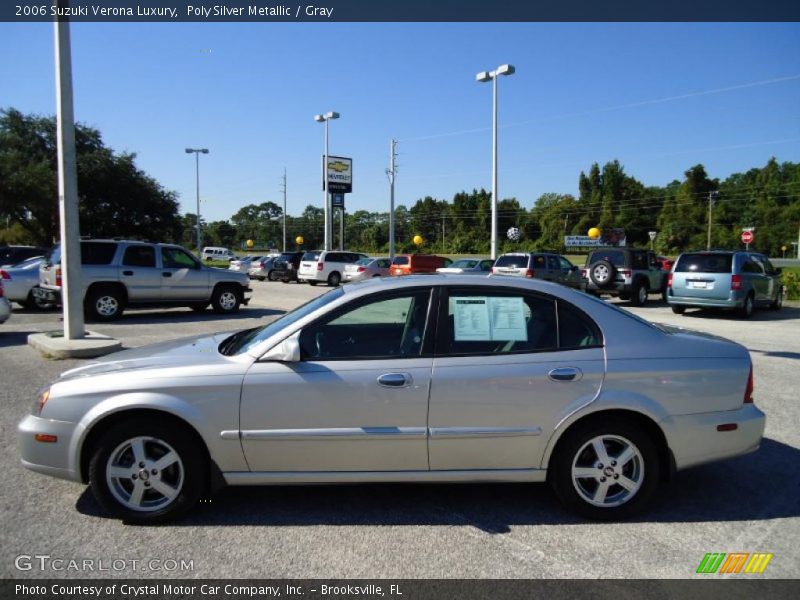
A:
x,y
564,374
166,274
128,273
395,380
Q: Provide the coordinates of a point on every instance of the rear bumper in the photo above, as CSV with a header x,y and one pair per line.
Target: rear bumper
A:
x,y
309,275
53,296
616,288
694,439
731,302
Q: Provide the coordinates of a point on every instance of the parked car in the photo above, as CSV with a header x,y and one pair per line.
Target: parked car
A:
x,y
242,264
262,268
12,255
367,268
410,264
5,305
321,266
216,253
286,266
629,273
538,265
116,274
720,279
533,382
468,266
20,280
665,262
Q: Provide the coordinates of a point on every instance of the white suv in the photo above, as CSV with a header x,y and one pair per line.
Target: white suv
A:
x,y
321,266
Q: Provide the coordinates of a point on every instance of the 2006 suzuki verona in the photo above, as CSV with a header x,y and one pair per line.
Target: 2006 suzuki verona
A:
x,y
414,379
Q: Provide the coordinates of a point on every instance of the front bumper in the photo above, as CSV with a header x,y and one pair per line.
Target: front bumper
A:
x,y
50,458
694,439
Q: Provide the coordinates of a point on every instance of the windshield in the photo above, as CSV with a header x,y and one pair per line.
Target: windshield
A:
x,y
241,342
464,264
29,263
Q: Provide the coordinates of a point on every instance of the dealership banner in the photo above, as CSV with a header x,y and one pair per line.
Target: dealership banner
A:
x,y
399,589
405,11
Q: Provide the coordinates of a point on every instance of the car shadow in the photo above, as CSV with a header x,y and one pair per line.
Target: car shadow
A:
x,y
787,313
152,317
758,486
14,338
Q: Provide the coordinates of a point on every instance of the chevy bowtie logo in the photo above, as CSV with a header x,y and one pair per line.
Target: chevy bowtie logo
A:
x,y
735,562
338,166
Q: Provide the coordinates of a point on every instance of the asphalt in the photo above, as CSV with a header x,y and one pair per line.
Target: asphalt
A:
x,y
748,504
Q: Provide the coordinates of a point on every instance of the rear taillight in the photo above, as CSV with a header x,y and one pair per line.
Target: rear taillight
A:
x,y
361,269
58,275
625,272
492,271
4,274
669,281
529,273
319,266
736,282
1,288
748,391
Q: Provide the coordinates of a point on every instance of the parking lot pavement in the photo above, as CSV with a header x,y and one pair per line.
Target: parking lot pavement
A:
x,y
748,504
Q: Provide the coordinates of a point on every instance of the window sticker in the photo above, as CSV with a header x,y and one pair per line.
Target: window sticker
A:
x,y
483,319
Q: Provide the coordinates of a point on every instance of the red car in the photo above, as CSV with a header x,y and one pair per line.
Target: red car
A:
x,y
666,263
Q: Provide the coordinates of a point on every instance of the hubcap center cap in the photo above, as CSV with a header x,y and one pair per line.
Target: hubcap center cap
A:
x,y
608,471
144,475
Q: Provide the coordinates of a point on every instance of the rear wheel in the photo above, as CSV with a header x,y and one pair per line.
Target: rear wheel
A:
x,y
34,303
271,275
311,282
639,294
678,310
605,471
777,304
147,472
334,279
104,304
226,299
746,311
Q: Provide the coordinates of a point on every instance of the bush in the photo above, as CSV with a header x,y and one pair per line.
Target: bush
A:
x,y
791,283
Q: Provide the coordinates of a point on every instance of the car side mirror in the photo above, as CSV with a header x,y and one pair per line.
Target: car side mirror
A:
x,y
286,351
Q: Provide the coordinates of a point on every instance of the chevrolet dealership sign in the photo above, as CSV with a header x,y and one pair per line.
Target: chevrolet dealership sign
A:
x,y
340,174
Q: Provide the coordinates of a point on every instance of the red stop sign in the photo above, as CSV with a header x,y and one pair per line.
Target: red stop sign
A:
x,y
747,237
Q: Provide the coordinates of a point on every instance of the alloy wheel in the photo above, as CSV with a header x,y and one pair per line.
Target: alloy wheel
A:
x,y
608,471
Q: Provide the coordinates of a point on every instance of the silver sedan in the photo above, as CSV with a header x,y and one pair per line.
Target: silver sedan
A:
x,y
411,379
19,282
469,266
367,268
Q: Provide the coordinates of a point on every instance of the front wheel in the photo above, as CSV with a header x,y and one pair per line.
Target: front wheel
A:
x,y
147,472
606,471
777,304
639,294
746,311
678,310
226,300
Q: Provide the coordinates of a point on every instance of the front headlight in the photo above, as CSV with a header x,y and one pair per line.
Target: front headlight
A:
x,y
41,400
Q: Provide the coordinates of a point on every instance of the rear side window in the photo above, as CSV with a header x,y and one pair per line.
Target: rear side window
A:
x,y
311,256
704,263
333,257
517,261
615,257
400,260
639,260
576,329
139,256
98,253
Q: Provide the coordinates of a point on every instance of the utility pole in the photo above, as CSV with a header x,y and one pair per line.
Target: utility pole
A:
x,y
72,290
283,189
391,172
712,198
443,216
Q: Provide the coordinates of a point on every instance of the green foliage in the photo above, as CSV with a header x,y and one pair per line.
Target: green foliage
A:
x,y
791,282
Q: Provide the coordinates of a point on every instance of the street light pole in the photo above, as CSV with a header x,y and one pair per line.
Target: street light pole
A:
x,y
197,152
284,211
712,198
391,172
326,197
483,77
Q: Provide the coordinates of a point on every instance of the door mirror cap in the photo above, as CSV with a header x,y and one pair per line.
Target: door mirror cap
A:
x,y
286,351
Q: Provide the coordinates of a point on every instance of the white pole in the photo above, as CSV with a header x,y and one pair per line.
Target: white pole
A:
x,y
494,167
284,209
391,174
71,289
327,244
197,188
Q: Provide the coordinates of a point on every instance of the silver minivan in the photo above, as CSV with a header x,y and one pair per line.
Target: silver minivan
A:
x,y
724,279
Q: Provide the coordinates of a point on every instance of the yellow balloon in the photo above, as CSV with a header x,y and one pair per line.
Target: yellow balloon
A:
x,y
783,248
418,240
250,243
299,240
594,233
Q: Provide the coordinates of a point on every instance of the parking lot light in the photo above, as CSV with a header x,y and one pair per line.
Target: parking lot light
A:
x,y
197,152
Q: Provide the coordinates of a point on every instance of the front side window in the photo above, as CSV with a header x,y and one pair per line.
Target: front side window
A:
x,y
565,264
139,256
386,327
486,265
177,258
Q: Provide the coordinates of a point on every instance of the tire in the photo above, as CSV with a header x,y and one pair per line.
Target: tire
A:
x,y
334,279
226,299
121,485
104,304
34,303
271,275
746,311
199,307
678,310
602,273
639,294
580,474
777,304
311,282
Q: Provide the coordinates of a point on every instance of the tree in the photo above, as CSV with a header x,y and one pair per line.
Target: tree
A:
x,y
115,198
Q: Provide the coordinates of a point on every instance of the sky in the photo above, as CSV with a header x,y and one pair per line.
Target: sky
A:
x,y
657,97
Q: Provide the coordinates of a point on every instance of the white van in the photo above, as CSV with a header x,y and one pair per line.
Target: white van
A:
x,y
216,253
319,266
